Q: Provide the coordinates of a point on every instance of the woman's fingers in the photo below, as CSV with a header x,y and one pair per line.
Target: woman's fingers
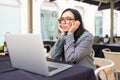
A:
x,y
62,32
74,26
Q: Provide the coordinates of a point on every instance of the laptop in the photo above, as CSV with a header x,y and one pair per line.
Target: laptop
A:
x,y
26,52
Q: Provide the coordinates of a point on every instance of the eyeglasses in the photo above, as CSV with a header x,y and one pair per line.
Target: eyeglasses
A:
x,y
65,20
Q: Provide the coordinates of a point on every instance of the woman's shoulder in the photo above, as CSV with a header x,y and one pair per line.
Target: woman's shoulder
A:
x,y
87,34
86,37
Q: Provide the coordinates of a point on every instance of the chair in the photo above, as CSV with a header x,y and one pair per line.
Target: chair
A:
x,y
104,69
117,39
48,47
93,52
96,39
114,56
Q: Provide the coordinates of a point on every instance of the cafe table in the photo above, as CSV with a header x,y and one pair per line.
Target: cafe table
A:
x,y
99,46
7,72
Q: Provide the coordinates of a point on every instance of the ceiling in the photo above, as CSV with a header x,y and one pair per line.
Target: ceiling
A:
x,y
102,4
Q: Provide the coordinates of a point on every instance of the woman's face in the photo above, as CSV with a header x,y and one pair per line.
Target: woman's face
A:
x,y
66,20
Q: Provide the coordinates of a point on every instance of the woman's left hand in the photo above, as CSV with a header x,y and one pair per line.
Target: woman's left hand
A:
x,y
74,26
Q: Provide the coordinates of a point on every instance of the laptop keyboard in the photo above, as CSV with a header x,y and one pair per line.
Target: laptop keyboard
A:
x,y
51,68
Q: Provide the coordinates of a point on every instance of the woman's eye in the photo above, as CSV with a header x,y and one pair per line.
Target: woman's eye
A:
x,y
68,19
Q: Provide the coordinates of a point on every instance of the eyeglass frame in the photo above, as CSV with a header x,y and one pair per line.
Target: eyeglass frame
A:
x,y
67,19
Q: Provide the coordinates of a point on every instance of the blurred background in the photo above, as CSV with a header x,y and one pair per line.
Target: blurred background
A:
x,y
100,17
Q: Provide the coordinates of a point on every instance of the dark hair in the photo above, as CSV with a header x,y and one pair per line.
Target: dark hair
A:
x,y
78,17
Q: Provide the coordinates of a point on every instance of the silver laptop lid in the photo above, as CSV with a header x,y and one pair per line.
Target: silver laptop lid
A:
x,y
26,52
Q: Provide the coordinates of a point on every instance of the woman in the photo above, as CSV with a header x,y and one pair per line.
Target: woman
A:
x,y
75,43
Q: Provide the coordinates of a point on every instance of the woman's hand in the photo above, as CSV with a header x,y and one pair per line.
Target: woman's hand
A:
x,y
74,26
62,32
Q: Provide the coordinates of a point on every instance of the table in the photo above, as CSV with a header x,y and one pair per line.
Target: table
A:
x,y
99,46
7,72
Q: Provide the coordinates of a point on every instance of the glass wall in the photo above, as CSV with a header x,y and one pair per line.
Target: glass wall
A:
x,y
49,24
98,26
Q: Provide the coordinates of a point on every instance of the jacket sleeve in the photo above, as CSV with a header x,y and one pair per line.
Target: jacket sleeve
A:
x,y
58,49
80,49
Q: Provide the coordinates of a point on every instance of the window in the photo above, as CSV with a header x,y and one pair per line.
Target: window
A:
x,y
49,24
98,24
9,20
49,21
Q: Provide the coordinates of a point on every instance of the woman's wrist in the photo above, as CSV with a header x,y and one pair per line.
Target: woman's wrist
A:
x,y
70,33
62,33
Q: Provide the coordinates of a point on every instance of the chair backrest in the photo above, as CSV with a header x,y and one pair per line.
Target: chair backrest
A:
x,y
104,69
93,52
117,39
114,56
48,47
